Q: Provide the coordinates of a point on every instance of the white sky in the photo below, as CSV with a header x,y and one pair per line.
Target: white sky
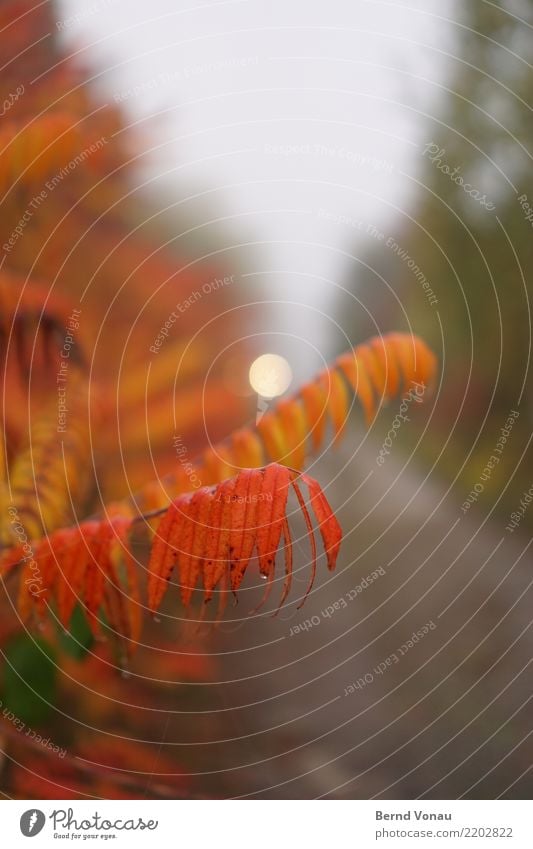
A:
x,y
227,82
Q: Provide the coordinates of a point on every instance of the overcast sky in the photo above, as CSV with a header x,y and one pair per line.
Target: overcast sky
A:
x,y
300,119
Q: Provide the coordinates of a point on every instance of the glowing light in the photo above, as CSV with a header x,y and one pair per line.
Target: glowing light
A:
x,y
270,375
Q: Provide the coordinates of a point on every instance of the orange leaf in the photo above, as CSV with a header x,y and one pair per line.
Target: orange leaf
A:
x,y
315,407
193,542
310,531
373,371
160,567
213,568
381,348
288,563
234,517
273,436
337,399
328,525
242,537
270,515
369,361
358,379
293,421
247,449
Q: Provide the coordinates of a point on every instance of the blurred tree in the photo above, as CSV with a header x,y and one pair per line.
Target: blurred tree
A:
x,y
109,337
459,261
91,269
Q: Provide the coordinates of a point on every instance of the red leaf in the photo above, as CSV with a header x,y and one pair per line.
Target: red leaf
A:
x,y
328,525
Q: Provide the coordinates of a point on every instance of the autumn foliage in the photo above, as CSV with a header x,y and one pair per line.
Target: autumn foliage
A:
x,y
209,535
98,519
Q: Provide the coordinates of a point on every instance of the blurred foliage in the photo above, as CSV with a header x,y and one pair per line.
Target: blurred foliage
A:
x,y
78,224
29,685
79,638
478,261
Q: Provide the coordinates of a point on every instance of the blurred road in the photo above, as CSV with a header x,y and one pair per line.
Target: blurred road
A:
x,y
444,715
